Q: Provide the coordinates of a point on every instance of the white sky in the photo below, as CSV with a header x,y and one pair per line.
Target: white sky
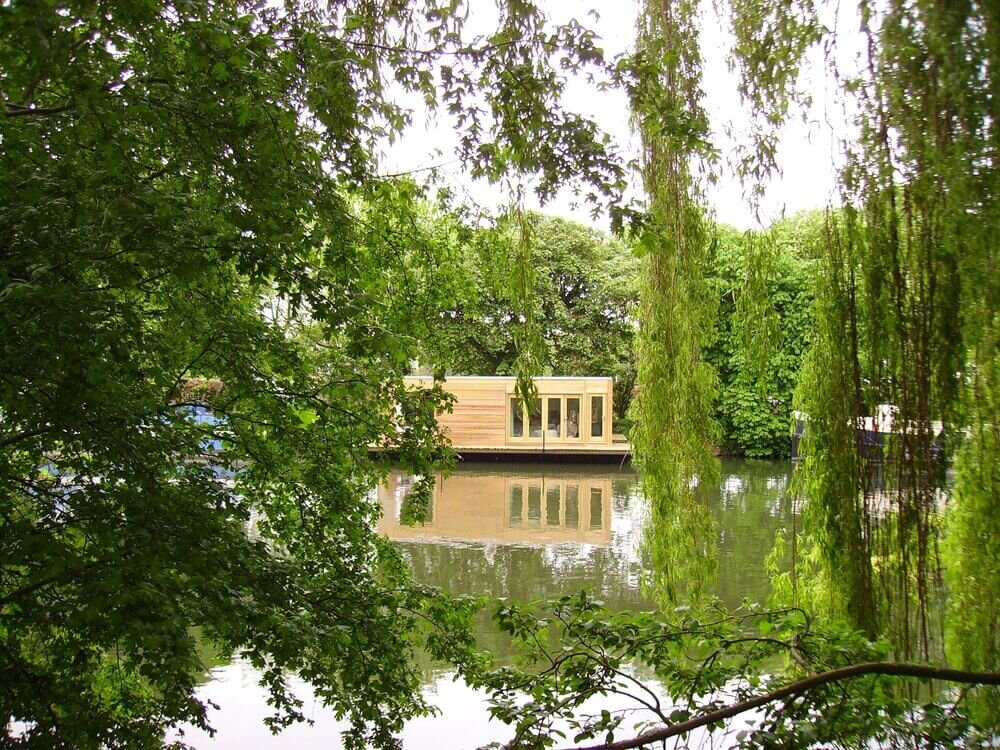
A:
x,y
808,153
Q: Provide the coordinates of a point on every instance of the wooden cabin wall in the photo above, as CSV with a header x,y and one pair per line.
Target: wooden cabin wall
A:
x,y
480,416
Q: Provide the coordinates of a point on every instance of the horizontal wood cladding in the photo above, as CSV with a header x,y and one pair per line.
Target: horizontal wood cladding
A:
x,y
481,417
472,424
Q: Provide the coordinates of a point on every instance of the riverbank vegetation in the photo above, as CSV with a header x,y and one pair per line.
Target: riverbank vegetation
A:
x,y
192,191
587,287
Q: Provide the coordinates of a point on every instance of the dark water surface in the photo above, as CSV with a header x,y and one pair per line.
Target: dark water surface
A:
x,y
523,531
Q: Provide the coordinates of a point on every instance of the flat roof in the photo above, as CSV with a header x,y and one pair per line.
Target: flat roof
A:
x,y
514,377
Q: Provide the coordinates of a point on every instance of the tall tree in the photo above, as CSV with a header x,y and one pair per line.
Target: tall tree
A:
x,y
906,315
761,331
908,312
207,301
584,286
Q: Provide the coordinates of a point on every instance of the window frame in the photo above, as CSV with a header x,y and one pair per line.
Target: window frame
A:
x,y
563,400
603,437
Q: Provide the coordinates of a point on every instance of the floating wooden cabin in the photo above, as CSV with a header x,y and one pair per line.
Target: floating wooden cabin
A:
x,y
570,417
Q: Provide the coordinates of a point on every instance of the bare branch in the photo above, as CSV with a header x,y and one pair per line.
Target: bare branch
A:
x,y
890,669
24,435
13,110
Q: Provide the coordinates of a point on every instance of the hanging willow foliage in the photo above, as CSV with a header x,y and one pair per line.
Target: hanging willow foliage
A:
x,y
528,340
907,314
770,40
673,437
919,297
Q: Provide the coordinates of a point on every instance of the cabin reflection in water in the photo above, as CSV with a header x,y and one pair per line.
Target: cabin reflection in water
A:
x,y
524,507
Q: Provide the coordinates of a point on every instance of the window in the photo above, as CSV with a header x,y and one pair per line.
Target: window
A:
x,y
535,420
556,417
534,505
572,417
552,506
553,422
597,416
516,504
516,418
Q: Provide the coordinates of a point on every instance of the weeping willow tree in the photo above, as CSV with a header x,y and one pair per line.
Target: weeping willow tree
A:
x,y
906,332
673,438
906,320
906,317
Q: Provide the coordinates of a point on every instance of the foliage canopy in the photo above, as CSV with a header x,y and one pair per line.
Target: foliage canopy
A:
x,y
188,194
188,190
585,291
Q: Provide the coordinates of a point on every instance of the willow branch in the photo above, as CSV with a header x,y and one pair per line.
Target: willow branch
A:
x,y
891,669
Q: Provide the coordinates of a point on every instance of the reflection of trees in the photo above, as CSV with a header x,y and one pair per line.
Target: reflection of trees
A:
x,y
523,574
209,656
716,541
749,506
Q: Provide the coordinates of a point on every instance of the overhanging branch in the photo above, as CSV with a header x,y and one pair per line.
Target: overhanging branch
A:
x,y
23,435
13,110
890,669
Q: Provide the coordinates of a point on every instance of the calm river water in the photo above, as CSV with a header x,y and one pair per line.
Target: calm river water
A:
x,y
524,531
